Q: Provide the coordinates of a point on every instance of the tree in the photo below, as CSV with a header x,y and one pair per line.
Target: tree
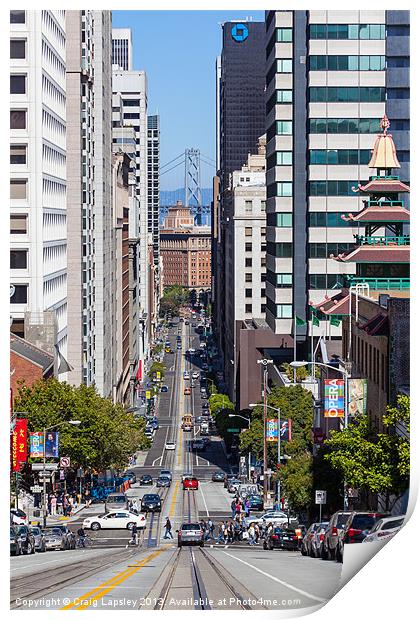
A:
x,y
173,298
220,407
107,435
157,367
376,462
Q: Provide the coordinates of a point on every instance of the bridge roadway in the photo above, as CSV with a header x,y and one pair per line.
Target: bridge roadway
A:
x,y
158,575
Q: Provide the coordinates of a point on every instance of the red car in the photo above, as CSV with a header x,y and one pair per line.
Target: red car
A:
x,y
190,483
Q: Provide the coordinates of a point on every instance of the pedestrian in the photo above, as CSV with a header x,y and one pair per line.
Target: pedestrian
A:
x,y
220,533
247,507
237,531
53,505
168,529
233,508
230,533
60,504
238,508
134,535
257,533
251,534
71,505
65,505
210,526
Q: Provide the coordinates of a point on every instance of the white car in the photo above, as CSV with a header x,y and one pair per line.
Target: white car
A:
x,y
385,529
191,351
186,375
195,375
115,520
18,517
271,516
170,445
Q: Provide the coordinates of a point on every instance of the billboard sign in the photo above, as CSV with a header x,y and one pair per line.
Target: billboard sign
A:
x,y
334,398
271,430
357,396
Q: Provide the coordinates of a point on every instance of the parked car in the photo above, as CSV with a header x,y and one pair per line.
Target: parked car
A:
x,y
187,391
115,520
116,500
218,476
190,482
39,537
151,502
27,539
318,539
233,485
186,376
131,476
228,478
15,542
190,534
163,481
385,529
357,527
256,502
170,445
307,539
164,388
54,539
18,517
69,536
195,374
146,479
281,538
331,535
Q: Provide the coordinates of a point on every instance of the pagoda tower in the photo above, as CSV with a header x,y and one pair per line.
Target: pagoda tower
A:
x,y
382,250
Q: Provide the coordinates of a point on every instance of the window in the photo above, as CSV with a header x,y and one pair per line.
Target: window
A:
x,y
248,262
284,35
20,295
248,206
285,65
17,84
347,94
17,119
18,189
17,17
263,205
263,277
284,158
280,250
284,189
248,308
325,250
248,277
248,247
284,128
248,231
18,259
131,103
340,156
332,219
18,153
332,188
18,224
280,280
280,311
17,48
282,220
248,292
348,31
345,125
347,63
324,281
279,96
263,261
263,292
263,231
398,93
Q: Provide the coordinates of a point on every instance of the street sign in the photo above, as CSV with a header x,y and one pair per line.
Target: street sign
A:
x,y
47,475
320,497
48,466
36,488
233,430
65,462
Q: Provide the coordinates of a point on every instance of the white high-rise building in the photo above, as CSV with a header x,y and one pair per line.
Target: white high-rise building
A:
x,y
38,250
131,87
122,48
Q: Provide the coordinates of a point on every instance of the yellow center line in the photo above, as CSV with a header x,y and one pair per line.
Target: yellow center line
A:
x,y
83,602
174,498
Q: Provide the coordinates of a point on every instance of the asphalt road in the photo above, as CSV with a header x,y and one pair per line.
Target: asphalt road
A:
x,y
158,575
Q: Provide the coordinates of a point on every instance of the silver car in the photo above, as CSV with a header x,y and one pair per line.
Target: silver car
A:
x,y
385,529
39,539
55,539
317,540
190,534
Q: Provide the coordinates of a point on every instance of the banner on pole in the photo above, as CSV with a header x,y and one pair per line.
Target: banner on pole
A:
x,y
37,445
19,444
271,430
334,398
357,397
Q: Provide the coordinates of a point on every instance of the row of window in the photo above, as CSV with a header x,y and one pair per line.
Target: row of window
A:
x,y
347,63
248,277
347,31
344,125
248,308
248,292
315,219
331,188
316,281
340,156
348,94
315,250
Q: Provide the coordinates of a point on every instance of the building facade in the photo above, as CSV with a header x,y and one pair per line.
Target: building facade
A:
x,y
153,213
331,76
90,227
38,177
122,49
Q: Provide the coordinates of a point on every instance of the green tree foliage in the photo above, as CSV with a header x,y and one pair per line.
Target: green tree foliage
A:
x,y
157,367
302,373
377,462
173,298
107,435
220,407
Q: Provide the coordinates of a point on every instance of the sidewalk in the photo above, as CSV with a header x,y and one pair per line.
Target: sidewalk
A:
x,y
52,519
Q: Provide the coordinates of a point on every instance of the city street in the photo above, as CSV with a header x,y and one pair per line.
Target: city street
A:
x,y
157,575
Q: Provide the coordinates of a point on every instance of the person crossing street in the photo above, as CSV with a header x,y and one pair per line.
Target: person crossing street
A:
x,y
168,529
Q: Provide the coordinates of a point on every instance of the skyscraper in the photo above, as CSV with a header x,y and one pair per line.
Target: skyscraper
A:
x,y
331,76
122,48
153,181
38,178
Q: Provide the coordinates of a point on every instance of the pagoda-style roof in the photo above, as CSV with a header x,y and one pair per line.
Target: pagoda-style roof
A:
x,y
382,186
338,304
376,254
384,155
379,214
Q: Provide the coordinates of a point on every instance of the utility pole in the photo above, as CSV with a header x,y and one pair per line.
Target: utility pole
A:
x,y
265,363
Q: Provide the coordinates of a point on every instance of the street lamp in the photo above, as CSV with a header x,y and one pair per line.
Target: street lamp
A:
x,y
344,372
265,362
278,443
44,503
236,415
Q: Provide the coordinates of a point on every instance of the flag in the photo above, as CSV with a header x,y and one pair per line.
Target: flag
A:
x,y
315,320
335,321
300,321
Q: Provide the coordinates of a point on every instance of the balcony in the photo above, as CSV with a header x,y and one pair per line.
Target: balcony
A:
x,y
377,240
385,203
390,177
380,284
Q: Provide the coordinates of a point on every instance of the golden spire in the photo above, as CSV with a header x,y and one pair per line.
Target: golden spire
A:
x,y
384,155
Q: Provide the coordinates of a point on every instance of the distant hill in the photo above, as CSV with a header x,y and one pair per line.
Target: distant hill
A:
x,y
168,197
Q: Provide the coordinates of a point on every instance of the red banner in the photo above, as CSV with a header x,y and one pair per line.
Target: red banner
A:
x,y
19,444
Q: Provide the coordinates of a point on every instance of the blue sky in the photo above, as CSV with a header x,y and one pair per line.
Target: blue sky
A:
x,y
178,50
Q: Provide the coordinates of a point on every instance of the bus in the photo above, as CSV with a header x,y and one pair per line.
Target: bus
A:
x,y
187,422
